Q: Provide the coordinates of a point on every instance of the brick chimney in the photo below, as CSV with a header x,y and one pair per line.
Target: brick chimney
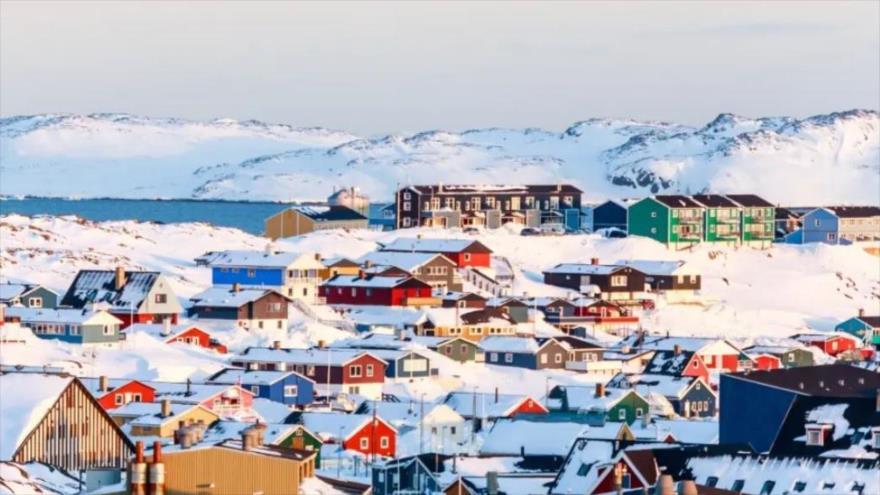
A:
x,y
861,312
119,279
676,349
276,344
236,287
166,408
600,390
103,383
321,344
594,261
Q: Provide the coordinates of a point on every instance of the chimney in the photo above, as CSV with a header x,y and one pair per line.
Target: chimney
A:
x,y
594,261
187,438
600,390
492,483
317,256
119,279
496,395
665,485
259,430
103,384
137,476
276,345
157,452
156,471
166,408
676,349
188,387
320,344
247,439
861,312
236,287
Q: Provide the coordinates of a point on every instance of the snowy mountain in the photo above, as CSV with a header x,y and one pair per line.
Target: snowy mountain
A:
x,y
822,159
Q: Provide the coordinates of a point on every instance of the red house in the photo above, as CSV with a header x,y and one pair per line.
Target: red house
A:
x,y
464,252
634,469
830,343
377,291
184,333
350,371
766,362
678,363
111,394
364,433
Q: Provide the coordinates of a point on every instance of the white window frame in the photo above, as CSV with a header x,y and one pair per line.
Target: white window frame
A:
x,y
508,357
353,368
365,443
291,390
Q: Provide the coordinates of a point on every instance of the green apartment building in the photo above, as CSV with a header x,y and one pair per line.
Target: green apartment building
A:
x,y
681,221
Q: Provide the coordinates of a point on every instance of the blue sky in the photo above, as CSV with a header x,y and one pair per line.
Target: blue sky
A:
x,y
380,67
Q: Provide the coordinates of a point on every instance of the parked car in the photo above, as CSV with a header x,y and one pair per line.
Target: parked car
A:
x,y
471,230
530,231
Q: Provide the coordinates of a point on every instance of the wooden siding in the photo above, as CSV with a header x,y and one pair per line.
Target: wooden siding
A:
x,y
226,471
76,434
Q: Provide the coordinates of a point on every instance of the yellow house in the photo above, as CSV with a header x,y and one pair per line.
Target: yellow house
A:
x,y
160,419
299,220
473,325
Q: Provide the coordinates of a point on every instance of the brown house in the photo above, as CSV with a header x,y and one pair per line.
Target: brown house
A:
x,y
463,300
53,419
247,308
299,220
608,282
436,270
237,466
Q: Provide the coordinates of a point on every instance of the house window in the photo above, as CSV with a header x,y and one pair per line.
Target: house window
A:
x,y
35,302
639,412
654,214
711,481
251,273
653,230
467,256
108,330
543,359
406,206
118,399
368,292
354,292
407,195
508,357
384,442
274,307
830,236
407,222
738,485
369,370
310,371
621,414
799,486
558,358
290,390
136,398
618,281
365,443
255,389
493,357
767,487
354,371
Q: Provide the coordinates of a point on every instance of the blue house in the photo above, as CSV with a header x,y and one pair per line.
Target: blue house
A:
x,y
819,225
285,387
776,411
534,354
609,214
413,474
403,364
382,216
690,397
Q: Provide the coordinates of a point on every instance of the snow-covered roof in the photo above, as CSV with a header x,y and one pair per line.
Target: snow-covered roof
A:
x,y
510,344
583,397
656,267
224,430
99,286
332,425
513,437
334,357
370,282
60,316
25,398
13,290
264,259
385,315
227,297
403,260
193,393
429,245
666,385
488,405
270,411
249,377
583,269
93,385
161,332
691,431
578,473
817,476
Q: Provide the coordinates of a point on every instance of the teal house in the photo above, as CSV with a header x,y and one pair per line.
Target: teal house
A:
x,y
866,328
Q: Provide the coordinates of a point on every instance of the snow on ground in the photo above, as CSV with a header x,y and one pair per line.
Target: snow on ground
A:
x,y
747,293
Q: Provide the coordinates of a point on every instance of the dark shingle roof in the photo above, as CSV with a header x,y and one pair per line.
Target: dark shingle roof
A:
x,y
99,286
475,189
714,201
836,380
874,321
750,200
855,211
332,213
677,201
577,342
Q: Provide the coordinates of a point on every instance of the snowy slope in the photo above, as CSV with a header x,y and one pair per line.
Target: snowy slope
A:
x,y
823,159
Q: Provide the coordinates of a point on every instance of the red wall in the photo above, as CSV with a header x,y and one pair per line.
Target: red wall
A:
x,y
477,259
607,484
378,297
729,362
699,370
140,318
843,345
108,401
246,400
363,361
767,363
373,435
529,406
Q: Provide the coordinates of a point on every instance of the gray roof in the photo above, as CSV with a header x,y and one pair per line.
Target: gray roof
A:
x,y
98,286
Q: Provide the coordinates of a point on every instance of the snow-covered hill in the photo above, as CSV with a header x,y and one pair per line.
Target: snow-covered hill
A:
x,y
832,158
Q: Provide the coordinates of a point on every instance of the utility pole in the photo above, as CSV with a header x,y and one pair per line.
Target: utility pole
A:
x,y
421,424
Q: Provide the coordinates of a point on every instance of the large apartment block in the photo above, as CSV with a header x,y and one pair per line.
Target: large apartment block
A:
x,y
487,206
732,219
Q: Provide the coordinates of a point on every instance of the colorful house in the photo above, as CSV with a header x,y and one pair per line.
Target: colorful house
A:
x,y
295,275
863,327
790,356
435,269
131,296
609,215
365,433
837,225
113,393
300,220
243,308
79,326
378,290
832,344
607,282
463,252
160,419
286,387
523,352
488,406
33,407
690,397
757,219
182,333
461,350
600,402
721,219
669,219
350,371
27,295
